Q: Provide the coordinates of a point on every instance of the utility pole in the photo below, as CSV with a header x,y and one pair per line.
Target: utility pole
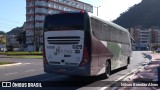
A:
x,y
34,22
97,8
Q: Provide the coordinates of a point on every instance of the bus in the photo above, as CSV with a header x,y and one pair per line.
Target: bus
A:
x,y
79,43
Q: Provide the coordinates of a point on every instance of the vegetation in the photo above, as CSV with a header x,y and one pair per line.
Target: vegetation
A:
x,y
15,31
146,14
9,48
21,37
20,53
29,57
2,32
2,39
2,63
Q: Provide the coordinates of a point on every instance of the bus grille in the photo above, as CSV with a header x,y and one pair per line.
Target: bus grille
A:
x,y
64,40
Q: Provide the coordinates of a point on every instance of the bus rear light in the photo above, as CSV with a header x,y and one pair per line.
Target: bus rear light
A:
x,y
44,57
82,12
45,61
85,58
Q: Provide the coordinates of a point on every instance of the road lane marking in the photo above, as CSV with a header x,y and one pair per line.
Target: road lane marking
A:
x,y
129,77
10,65
53,78
103,88
11,73
127,74
26,63
29,70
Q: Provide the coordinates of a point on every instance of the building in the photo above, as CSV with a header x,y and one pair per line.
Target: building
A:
x,y
12,41
145,39
155,42
36,10
142,38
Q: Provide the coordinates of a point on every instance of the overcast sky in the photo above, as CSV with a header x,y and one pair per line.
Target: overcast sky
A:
x,y
13,12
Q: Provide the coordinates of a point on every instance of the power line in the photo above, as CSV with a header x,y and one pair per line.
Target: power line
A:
x,y
5,24
10,20
6,29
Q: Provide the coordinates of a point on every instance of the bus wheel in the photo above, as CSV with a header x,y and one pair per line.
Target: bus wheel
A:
x,y
128,62
107,70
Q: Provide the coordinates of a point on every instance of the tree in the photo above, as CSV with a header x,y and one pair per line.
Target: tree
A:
x,y
21,38
2,39
145,14
2,32
16,30
9,48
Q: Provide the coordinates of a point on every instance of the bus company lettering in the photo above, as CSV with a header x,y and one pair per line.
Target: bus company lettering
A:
x,y
19,84
126,84
60,51
34,85
51,47
77,47
139,84
57,51
14,84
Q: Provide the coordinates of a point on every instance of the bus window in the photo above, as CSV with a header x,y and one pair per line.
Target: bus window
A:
x,y
97,28
65,22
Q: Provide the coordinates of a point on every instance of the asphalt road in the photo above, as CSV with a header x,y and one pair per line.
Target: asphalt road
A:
x,y
32,70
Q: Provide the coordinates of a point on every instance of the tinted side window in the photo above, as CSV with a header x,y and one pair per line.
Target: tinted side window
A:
x,y
119,36
96,28
106,34
110,33
125,38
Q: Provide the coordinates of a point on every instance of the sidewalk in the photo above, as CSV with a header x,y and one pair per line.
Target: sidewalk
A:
x,y
148,74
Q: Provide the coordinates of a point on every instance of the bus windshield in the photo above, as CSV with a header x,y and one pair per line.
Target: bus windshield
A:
x,y
65,21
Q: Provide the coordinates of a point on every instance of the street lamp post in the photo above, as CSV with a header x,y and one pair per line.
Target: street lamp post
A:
x,y
97,8
1,36
34,22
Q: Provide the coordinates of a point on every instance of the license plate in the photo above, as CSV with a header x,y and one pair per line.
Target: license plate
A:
x,y
62,70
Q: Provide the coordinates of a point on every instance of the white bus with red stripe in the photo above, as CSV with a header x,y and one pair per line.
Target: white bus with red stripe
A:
x,y
78,43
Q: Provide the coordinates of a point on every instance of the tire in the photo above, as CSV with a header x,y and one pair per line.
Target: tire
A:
x,y
107,70
125,67
128,62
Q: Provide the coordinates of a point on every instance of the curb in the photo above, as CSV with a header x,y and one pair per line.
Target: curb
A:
x,y
122,78
129,77
7,65
140,68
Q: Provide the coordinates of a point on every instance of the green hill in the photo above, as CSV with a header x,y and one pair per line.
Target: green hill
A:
x,y
146,14
16,30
